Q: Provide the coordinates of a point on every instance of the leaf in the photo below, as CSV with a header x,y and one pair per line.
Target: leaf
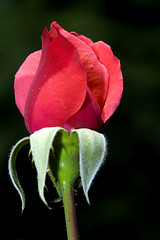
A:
x,y
12,168
41,144
92,152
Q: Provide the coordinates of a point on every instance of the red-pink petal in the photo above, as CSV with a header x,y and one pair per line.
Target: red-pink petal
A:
x,y
59,87
97,74
24,78
115,88
89,116
85,39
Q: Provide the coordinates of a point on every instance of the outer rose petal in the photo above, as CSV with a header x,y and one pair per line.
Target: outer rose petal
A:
x,y
115,88
97,74
24,78
89,116
59,87
85,39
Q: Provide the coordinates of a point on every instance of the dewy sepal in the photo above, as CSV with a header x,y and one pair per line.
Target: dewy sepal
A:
x,y
63,156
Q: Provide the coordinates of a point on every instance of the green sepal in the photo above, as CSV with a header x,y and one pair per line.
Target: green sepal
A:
x,y
63,156
41,145
55,152
55,183
12,168
92,152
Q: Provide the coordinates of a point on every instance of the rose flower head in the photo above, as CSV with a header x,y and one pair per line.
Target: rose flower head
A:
x,y
72,82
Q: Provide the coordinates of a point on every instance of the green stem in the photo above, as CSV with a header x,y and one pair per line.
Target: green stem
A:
x,y
69,209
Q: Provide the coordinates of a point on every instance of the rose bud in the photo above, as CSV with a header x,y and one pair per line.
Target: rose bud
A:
x,y
72,82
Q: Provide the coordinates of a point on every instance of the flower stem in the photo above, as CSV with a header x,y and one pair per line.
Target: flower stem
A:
x,y
69,209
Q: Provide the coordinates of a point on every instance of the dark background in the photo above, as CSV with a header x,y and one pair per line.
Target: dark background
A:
x,y
125,194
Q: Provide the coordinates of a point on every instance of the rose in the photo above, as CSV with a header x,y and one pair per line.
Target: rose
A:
x,y
72,82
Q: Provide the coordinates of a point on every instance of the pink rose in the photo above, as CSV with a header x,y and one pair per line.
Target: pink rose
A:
x,y
72,82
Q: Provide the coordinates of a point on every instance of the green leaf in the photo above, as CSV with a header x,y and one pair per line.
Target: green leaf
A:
x,y
12,168
41,144
92,152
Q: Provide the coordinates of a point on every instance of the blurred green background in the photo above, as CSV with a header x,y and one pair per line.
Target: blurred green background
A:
x,y
125,194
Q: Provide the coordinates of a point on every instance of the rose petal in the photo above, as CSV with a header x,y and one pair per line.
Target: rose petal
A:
x,y
89,116
24,78
59,87
85,39
97,74
115,88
